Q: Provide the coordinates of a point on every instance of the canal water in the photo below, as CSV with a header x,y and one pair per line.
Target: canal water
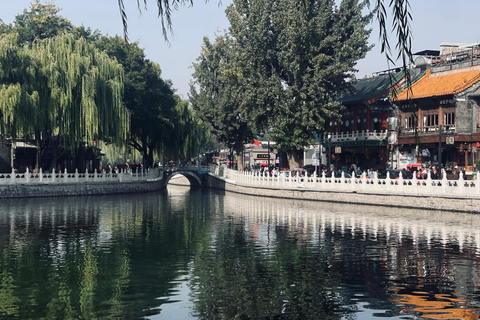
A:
x,y
199,254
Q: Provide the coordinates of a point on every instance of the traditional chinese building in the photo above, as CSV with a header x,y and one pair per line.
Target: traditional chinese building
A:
x,y
439,114
361,136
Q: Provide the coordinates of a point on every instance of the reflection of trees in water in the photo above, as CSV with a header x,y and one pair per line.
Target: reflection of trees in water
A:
x,y
234,279
247,257
376,251
94,257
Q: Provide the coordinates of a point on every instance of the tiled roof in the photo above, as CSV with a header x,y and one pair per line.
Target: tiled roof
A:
x,y
394,81
369,90
440,84
364,87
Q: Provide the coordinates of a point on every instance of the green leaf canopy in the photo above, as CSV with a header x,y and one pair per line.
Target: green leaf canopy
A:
x,y
61,86
297,58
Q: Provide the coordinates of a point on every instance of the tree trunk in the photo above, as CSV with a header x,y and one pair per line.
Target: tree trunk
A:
x,y
55,155
293,158
148,159
38,157
239,152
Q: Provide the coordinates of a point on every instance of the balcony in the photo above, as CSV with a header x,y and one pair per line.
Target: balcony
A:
x,y
363,135
428,131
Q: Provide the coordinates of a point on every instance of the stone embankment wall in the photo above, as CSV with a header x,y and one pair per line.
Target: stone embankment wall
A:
x,y
455,203
78,189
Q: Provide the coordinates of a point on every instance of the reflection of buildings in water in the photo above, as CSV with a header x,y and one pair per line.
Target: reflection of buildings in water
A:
x,y
419,249
423,227
434,306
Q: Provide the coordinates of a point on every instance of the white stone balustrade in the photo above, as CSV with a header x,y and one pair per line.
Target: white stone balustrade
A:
x,y
460,188
76,177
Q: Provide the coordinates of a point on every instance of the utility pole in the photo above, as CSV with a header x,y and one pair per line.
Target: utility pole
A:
x,y
329,153
439,157
268,146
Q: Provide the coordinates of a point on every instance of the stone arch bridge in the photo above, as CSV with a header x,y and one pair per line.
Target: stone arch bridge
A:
x,y
196,175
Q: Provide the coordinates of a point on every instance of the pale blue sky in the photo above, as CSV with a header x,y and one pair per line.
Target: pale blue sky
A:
x,y
435,21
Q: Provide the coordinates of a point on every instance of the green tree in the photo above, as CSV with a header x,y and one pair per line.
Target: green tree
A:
x,y
4,28
40,22
189,136
296,59
217,94
149,98
61,90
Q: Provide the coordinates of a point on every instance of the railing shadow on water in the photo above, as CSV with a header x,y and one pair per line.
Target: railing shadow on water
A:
x,y
460,187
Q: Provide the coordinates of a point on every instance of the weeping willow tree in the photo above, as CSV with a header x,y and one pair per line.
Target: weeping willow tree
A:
x,y
188,137
61,90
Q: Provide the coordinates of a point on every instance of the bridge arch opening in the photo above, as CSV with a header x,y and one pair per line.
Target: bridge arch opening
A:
x,y
193,178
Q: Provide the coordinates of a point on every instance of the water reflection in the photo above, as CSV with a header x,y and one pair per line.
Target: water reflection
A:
x,y
399,262
193,254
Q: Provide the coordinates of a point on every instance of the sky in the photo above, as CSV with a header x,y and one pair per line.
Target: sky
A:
x,y
434,22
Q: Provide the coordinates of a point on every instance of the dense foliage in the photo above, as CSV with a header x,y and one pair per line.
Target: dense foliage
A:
x,y
280,70
68,85
60,90
217,94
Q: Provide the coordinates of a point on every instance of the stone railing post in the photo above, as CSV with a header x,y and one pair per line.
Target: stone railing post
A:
x,y
444,181
343,181
53,175
415,182
477,183
76,175
375,180
389,182
65,175
400,181
429,182
461,183
12,176
41,175
364,180
27,175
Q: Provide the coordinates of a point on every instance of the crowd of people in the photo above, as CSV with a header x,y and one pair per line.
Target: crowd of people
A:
x,y
421,172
